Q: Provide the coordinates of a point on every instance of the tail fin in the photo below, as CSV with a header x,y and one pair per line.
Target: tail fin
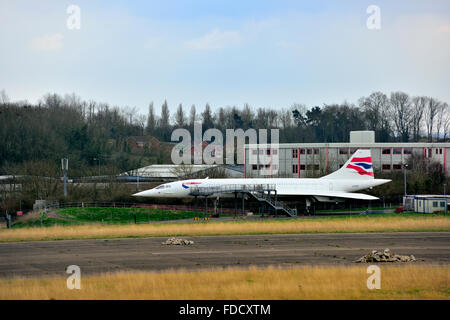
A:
x,y
359,166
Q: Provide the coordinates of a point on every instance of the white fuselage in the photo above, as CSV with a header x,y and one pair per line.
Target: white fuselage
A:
x,y
284,186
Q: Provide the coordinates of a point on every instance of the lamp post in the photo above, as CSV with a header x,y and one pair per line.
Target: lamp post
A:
x,y
65,166
405,166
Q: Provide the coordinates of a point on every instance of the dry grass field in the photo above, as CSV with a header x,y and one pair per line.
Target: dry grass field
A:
x,y
397,282
317,225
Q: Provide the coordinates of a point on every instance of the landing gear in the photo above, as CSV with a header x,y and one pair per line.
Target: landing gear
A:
x,y
216,207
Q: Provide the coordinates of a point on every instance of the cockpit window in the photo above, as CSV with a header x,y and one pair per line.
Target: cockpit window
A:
x,y
163,186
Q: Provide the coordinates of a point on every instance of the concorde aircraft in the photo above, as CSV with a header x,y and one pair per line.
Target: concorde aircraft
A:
x,y
356,174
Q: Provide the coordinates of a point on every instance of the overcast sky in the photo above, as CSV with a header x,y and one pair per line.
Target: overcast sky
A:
x,y
265,53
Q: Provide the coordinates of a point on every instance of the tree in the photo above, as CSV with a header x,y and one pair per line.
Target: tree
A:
x,y
418,107
430,113
286,119
401,114
221,119
441,118
376,108
3,97
446,122
180,119
151,120
208,121
164,124
192,116
247,117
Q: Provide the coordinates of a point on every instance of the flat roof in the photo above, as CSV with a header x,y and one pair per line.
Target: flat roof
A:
x,y
355,144
428,196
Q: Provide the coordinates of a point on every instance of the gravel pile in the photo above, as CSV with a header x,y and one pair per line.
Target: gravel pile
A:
x,y
177,242
385,256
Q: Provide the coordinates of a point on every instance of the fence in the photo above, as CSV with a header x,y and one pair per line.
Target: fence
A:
x,y
133,205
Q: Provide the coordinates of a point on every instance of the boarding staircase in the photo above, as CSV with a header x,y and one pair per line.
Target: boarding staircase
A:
x,y
263,193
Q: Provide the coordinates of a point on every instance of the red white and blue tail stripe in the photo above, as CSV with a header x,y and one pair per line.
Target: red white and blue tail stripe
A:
x,y
359,166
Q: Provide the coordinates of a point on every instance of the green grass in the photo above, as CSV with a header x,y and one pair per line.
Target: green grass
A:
x,y
80,216
356,209
108,215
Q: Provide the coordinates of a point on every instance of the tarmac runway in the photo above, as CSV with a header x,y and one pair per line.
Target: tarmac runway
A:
x,y
50,258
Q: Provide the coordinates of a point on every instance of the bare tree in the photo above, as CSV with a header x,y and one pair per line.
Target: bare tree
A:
x,y
401,114
418,107
165,115
164,121
130,112
180,119
440,120
221,118
192,116
376,109
446,122
208,121
247,116
151,119
3,97
182,171
140,121
286,118
430,113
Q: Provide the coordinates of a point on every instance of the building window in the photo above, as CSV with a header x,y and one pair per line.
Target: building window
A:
x,y
442,204
397,167
294,153
343,151
386,167
254,167
430,153
308,151
387,151
294,168
274,166
302,151
407,151
274,151
302,167
316,167
268,152
316,151
435,204
353,150
254,152
397,151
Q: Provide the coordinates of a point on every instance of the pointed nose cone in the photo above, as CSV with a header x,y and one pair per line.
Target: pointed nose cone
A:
x,y
145,193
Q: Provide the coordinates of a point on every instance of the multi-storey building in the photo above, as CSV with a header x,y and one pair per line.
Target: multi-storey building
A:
x,y
314,159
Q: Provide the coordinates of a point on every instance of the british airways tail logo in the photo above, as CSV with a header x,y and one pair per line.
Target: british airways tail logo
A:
x,y
187,184
362,165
